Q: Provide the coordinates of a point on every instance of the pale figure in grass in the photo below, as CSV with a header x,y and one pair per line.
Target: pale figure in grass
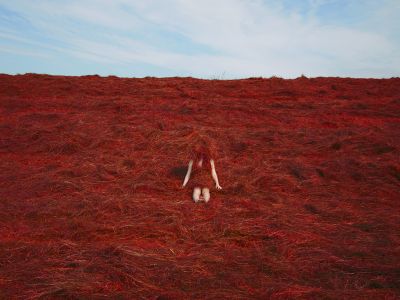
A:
x,y
202,175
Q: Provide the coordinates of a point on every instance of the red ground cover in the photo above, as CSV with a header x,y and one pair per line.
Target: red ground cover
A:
x,y
91,204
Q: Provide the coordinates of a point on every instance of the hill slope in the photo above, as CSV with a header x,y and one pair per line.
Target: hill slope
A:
x,y
91,204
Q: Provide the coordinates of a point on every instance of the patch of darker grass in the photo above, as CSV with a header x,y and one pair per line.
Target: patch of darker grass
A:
x,y
358,106
65,149
336,146
239,147
311,208
238,189
297,172
375,285
394,172
230,233
358,254
357,176
68,173
382,149
186,111
178,172
128,163
366,227
320,172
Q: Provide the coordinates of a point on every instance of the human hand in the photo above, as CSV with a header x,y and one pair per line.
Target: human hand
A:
x,y
218,186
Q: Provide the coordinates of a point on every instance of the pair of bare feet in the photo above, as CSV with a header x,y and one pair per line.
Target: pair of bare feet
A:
x,y
201,194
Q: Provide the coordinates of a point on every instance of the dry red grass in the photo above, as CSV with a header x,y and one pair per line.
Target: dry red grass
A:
x,y
91,204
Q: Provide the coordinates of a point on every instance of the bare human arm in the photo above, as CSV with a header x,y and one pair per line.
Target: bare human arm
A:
x,y
188,173
214,175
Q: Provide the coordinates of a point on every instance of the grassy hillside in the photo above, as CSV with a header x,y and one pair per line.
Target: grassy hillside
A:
x,y
91,204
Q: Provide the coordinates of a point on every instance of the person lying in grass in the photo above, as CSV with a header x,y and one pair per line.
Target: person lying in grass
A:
x,y
201,178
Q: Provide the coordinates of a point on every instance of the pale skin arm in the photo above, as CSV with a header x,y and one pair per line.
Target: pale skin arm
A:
x,y
188,173
214,175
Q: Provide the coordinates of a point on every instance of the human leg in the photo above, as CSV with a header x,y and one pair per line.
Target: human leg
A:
x,y
206,194
196,194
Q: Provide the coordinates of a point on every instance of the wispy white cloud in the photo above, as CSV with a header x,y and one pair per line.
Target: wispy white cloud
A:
x,y
14,50
237,37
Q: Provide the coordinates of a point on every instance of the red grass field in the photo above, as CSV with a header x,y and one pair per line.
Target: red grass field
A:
x,y
91,204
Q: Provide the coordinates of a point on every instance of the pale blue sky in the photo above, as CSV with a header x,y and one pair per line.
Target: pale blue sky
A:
x,y
201,38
